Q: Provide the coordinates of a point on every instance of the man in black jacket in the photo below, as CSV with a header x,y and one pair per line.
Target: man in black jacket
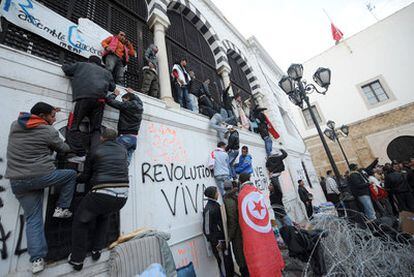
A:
x,y
206,103
232,148
396,182
275,166
90,84
359,186
130,117
106,170
264,130
213,227
306,197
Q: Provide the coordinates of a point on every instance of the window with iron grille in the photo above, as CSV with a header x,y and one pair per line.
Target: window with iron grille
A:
x,y
308,118
238,79
185,41
126,15
374,92
112,15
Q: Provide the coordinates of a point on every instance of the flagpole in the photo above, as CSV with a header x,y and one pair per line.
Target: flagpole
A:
x,y
342,40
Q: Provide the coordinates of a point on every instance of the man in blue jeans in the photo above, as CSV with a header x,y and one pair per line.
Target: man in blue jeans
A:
x,y
359,186
220,166
31,168
182,80
232,148
130,117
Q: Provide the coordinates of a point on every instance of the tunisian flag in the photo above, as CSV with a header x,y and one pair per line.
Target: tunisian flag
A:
x,y
260,248
272,129
336,33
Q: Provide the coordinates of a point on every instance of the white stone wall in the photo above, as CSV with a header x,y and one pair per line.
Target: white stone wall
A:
x,y
384,49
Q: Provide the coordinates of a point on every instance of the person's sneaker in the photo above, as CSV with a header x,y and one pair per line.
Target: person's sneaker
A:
x,y
77,159
76,266
38,265
96,255
62,213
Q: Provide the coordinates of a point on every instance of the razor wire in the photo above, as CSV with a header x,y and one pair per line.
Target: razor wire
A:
x,y
368,250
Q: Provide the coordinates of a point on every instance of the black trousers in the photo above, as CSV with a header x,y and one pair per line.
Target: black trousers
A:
x,y
94,206
224,260
93,110
309,210
405,201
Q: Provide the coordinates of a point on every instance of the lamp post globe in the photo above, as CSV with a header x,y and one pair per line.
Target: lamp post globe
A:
x,y
287,84
295,71
345,130
331,124
322,77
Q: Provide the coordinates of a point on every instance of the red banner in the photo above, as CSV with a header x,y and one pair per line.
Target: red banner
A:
x,y
272,129
262,254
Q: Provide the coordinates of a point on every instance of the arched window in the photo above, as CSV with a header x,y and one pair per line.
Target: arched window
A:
x,y
238,77
113,16
401,148
184,40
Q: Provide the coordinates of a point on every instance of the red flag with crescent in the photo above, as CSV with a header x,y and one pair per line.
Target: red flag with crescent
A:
x,y
272,129
262,254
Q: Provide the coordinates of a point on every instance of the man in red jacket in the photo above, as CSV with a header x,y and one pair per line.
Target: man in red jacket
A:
x,y
118,49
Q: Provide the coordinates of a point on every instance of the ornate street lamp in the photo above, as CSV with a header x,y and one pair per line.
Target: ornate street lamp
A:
x,y
332,134
297,91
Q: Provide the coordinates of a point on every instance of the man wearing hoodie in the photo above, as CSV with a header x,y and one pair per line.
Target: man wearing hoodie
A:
x,y
31,168
150,83
130,117
90,84
245,162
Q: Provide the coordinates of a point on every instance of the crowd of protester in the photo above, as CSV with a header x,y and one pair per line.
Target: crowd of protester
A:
x,y
107,153
376,191
104,153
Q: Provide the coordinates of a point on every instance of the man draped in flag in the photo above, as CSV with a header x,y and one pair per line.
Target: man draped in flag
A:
x,y
260,248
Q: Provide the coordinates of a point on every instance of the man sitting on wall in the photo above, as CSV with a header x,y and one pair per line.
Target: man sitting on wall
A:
x,y
118,49
31,168
245,162
106,170
130,117
150,84
90,84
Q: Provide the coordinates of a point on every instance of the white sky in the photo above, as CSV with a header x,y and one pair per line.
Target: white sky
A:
x,y
293,31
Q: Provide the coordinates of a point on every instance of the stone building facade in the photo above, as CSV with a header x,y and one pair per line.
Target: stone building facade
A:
x,y
371,92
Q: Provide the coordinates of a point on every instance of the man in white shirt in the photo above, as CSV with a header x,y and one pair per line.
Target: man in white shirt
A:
x,y
332,190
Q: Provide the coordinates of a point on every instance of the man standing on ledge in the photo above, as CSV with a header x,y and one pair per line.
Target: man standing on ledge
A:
x,y
118,49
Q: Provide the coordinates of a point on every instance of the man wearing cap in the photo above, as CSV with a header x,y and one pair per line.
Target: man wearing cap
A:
x,y
232,148
90,83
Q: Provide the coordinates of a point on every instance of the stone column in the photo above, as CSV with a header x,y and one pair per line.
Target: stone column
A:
x,y
159,25
225,76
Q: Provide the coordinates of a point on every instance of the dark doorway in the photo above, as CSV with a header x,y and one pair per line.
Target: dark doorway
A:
x,y
401,148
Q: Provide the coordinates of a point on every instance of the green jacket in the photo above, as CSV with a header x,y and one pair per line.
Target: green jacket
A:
x,y
233,227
